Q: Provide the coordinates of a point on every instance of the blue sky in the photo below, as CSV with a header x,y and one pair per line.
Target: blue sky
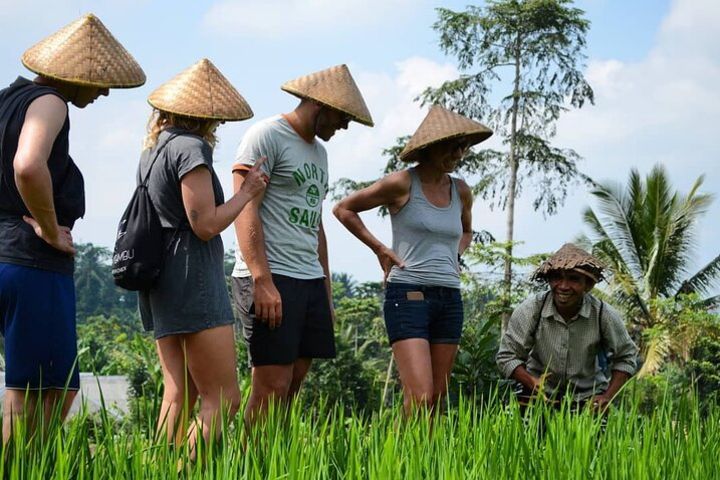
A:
x,y
654,65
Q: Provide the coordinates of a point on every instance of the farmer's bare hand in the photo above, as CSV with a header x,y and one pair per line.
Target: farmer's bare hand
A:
x,y
61,241
268,304
600,403
537,386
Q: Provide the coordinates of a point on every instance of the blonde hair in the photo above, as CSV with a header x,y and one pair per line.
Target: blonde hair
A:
x,y
160,120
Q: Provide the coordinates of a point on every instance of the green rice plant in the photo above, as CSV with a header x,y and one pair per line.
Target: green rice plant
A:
x,y
480,438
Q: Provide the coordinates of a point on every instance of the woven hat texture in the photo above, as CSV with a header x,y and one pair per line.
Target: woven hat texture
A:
x,y
571,257
201,91
442,124
85,53
334,87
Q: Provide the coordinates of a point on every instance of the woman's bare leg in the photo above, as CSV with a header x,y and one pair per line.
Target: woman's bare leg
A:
x,y
415,367
180,393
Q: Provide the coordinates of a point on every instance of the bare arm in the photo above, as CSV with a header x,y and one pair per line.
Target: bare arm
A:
x,y
251,240
466,218
393,191
43,121
528,381
206,219
602,401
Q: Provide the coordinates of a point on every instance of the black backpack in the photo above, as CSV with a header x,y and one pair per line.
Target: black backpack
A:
x,y
138,255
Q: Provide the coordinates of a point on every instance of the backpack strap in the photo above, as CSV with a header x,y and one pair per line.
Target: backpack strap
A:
x,y
145,180
538,316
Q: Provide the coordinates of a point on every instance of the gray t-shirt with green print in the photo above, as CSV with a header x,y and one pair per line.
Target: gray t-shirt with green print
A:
x,y
292,207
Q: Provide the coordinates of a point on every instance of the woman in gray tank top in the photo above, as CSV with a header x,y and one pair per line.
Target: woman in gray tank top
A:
x,y
430,213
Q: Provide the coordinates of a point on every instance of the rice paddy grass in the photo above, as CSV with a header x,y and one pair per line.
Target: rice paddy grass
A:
x,y
475,439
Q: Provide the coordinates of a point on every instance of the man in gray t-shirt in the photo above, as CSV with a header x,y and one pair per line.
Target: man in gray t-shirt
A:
x,y
281,280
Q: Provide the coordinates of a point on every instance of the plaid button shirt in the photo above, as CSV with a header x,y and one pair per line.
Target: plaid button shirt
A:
x,y
538,337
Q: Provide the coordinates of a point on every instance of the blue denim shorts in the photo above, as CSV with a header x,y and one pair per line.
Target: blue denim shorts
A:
x,y
418,311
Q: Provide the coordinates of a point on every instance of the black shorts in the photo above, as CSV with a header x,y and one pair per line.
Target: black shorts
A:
x,y
306,330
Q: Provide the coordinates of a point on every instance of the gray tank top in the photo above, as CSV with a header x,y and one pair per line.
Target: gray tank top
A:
x,y
427,238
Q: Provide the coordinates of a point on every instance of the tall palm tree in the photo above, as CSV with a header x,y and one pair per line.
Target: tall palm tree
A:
x,y
646,233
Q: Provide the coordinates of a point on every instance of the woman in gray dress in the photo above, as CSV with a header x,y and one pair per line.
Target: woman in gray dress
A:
x,y
431,223
189,308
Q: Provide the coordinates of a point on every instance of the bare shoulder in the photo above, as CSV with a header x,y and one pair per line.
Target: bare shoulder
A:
x,y
397,182
48,107
464,190
48,103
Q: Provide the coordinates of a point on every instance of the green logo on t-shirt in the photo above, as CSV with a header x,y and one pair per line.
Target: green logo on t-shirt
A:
x,y
312,197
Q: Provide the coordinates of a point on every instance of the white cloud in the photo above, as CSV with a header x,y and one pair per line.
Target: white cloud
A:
x,y
661,109
280,18
674,87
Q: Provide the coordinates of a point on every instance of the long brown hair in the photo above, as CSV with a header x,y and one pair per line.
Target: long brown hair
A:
x,y
160,120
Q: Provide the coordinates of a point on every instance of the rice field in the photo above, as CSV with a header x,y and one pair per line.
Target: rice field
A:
x,y
473,440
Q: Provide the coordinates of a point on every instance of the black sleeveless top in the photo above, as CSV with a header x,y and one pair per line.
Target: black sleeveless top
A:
x,y
18,242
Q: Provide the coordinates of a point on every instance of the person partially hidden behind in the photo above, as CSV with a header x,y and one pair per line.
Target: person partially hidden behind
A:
x,y
557,342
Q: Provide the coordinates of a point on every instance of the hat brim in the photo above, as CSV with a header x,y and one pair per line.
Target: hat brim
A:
x,y
303,96
472,139
595,277
83,83
200,117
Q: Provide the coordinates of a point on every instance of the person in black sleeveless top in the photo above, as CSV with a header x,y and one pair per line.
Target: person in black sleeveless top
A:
x,y
41,197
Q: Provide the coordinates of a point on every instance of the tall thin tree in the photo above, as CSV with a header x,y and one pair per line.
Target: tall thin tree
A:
x,y
533,52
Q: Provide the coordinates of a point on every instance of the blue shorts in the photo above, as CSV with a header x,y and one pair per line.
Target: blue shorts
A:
x,y
37,319
417,311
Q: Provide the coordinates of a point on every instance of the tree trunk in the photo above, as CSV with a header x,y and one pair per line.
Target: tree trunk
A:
x,y
512,187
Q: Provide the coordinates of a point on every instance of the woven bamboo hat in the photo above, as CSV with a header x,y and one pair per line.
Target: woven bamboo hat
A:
x,y
333,87
85,53
442,124
571,257
201,91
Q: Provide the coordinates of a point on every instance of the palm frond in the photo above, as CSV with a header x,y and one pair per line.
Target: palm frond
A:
x,y
711,302
703,280
617,226
656,351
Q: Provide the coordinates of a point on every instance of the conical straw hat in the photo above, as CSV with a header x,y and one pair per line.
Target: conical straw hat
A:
x,y
85,53
571,257
201,91
442,124
335,88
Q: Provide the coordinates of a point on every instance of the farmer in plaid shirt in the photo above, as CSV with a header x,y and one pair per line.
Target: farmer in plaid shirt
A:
x,y
565,341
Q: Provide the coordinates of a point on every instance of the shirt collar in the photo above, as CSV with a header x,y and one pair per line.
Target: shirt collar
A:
x,y
549,309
